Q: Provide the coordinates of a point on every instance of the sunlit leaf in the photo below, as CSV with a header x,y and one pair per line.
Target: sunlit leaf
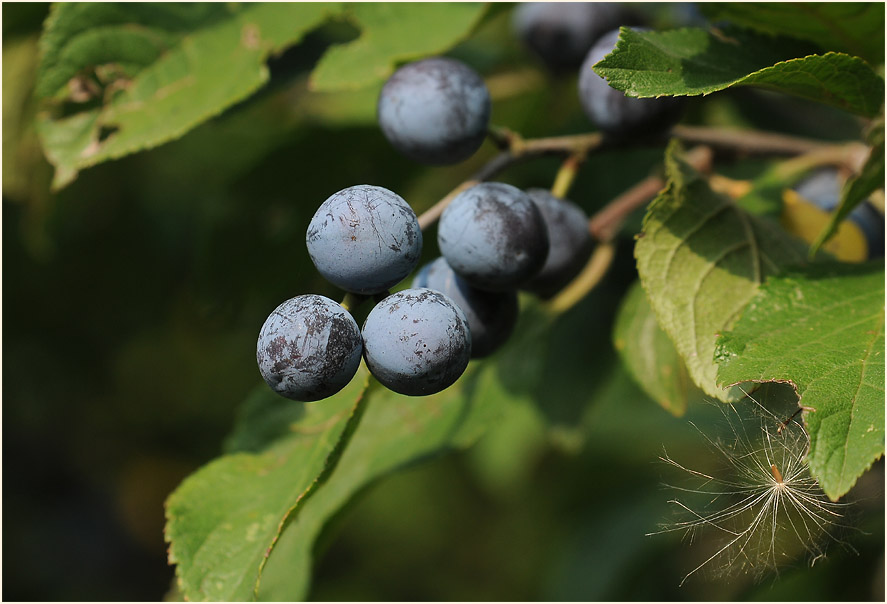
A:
x,y
223,520
822,330
697,62
392,32
120,78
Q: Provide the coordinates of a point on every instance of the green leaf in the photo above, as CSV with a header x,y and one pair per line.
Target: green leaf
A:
x,y
835,79
858,188
688,62
396,430
701,258
392,32
223,519
853,27
649,354
278,445
822,330
138,75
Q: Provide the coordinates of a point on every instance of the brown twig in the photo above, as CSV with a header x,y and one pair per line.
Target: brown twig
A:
x,y
850,156
566,175
605,224
516,150
595,269
748,141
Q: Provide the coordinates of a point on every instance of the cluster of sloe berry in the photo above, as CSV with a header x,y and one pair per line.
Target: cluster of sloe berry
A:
x,y
494,238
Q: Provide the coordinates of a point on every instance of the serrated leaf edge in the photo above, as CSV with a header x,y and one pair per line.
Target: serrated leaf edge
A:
x,y
330,463
620,48
834,495
332,460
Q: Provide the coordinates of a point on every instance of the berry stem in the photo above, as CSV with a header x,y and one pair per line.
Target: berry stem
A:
x,y
567,174
605,225
502,137
591,275
352,301
517,150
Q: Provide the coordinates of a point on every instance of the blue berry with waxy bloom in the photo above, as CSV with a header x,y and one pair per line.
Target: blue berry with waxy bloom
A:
x,y
823,189
435,111
491,315
309,348
416,342
493,236
561,33
364,239
570,243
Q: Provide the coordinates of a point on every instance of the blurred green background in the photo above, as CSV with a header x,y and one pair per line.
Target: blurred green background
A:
x,y
133,297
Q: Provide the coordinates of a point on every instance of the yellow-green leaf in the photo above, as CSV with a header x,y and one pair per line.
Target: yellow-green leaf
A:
x,y
223,520
119,78
649,354
393,32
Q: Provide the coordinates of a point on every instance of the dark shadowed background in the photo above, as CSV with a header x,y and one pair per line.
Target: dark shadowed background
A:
x,y
133,298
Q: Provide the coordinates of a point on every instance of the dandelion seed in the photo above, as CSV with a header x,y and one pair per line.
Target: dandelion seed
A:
x,y
763,502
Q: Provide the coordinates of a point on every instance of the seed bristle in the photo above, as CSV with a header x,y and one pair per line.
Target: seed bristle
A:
x,y
764,502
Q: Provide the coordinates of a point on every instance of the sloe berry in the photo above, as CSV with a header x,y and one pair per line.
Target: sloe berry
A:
x,y
561,33
493,236
364,239
309,348
570,243
491,315
435,111
416,342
